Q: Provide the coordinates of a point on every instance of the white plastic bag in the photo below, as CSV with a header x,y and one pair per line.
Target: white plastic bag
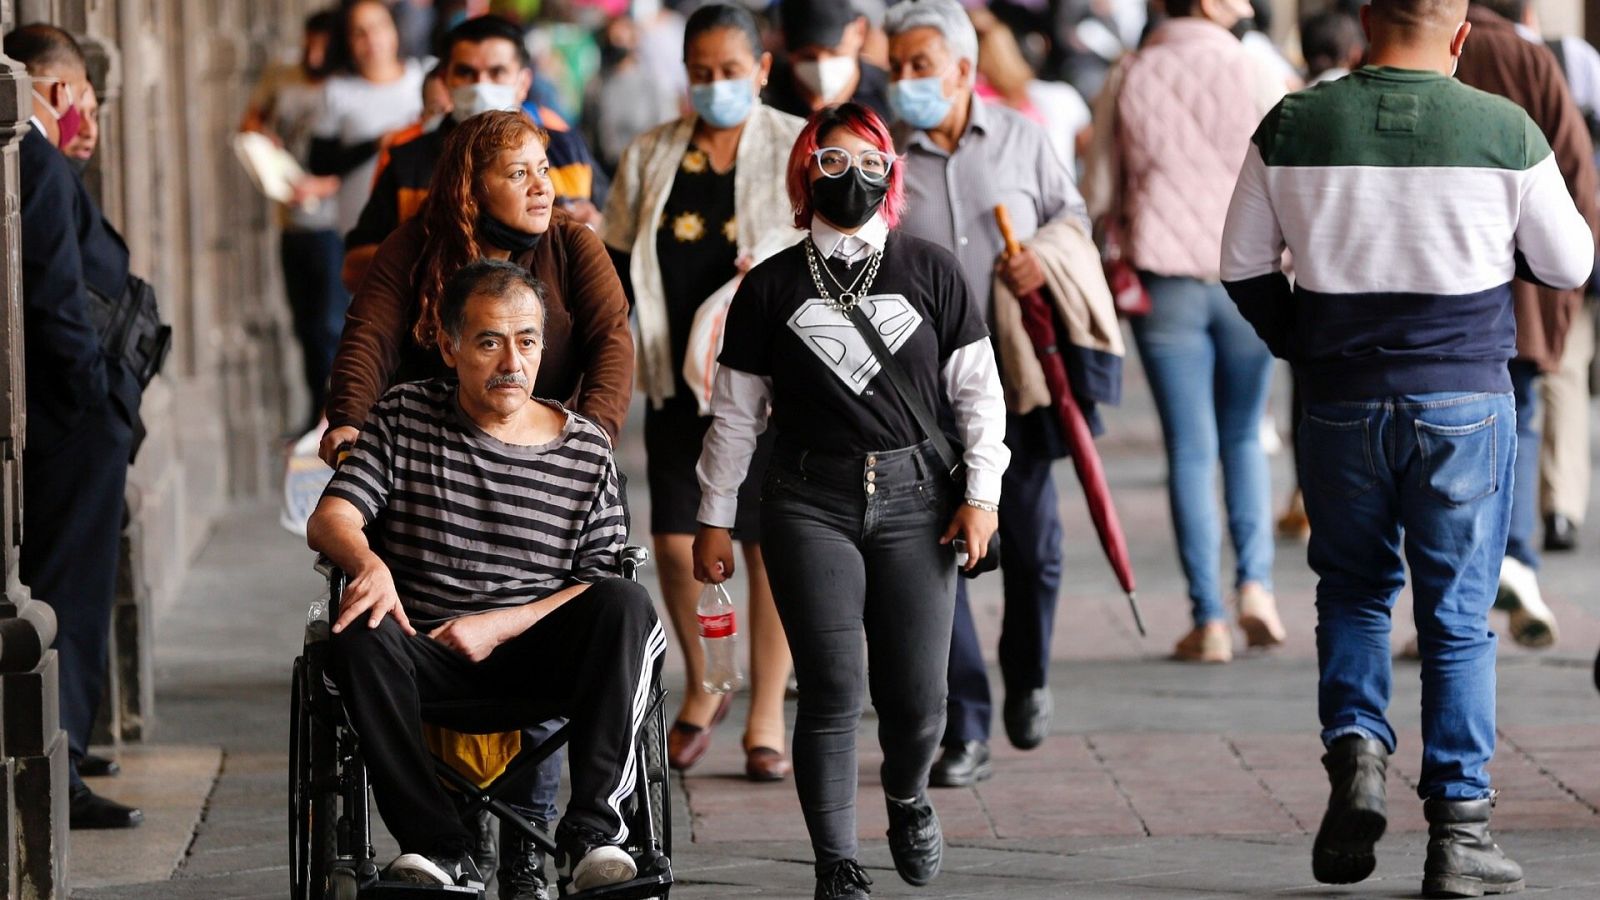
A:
x,y
705,343
304,477
705,333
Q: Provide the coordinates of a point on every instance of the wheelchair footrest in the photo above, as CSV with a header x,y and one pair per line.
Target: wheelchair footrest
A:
x,y
655,880
395,890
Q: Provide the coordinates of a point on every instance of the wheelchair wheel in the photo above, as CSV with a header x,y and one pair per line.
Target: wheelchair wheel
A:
x,y
343,885
311,802
657,787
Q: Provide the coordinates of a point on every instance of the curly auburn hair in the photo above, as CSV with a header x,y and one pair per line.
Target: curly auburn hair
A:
x,y
450,214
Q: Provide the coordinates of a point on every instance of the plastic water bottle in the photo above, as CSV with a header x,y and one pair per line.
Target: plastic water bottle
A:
x,y
719,638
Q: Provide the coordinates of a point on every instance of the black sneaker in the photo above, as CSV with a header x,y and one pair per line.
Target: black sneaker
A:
x,y
585,860
522,867
415,868
844,880
915,840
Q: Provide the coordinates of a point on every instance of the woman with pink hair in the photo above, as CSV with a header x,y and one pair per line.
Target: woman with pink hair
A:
x,y
861,519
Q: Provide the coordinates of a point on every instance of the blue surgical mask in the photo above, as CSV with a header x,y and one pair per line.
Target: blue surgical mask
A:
x,y
725,103
920,102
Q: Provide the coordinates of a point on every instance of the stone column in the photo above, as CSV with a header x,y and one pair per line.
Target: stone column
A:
x,y
33,748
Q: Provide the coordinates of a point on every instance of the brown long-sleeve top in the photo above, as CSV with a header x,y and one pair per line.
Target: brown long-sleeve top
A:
x,y
1499,60
588,346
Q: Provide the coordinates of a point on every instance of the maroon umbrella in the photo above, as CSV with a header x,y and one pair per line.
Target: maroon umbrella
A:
x,y
1039,321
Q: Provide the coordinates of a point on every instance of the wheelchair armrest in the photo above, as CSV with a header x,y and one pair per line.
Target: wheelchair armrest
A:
x,y
633,558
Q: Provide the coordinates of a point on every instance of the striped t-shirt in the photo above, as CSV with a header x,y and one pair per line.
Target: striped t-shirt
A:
x,y
1408,202
466,522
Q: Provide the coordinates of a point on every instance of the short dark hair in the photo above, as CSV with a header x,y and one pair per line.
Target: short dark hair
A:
x,y
491,278
1411,14
1327,39
40,46
323,21
722,15
478,29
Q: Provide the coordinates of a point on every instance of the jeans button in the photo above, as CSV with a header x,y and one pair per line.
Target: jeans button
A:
x,y
872,476
872,488
872,460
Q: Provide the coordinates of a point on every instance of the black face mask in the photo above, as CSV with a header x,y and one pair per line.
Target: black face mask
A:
x,y
496,233
611,55
849,200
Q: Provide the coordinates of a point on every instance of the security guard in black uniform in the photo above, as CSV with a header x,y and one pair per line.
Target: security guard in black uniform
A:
x,y
83,405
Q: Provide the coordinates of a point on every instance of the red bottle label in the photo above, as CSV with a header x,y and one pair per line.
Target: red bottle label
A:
x,y
717,626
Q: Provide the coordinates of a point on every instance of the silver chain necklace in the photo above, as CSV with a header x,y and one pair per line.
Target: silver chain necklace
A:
x,y
848,297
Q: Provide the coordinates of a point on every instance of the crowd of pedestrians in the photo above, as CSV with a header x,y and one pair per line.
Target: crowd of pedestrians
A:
x,y
728,144
819,180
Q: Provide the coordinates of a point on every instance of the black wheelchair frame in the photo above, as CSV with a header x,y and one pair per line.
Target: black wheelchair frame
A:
x,y
331,856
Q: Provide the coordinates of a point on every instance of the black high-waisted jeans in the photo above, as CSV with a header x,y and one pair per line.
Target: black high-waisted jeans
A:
x,y
852,548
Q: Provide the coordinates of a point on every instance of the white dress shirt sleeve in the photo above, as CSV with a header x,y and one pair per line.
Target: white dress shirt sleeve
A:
x,y
972,382
740,403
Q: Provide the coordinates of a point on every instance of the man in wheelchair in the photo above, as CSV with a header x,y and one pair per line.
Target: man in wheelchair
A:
x,y
496,524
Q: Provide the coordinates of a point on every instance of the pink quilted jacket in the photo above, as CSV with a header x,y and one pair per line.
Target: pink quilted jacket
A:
x,y
1188,103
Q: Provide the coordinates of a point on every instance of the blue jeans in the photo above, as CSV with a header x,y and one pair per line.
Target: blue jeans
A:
x,y
1435,471
1525,496
1210,375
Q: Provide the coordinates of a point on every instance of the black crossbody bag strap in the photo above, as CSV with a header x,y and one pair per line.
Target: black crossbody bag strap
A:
x,y
908,395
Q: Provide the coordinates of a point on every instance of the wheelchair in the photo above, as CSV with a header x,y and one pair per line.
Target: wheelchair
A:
x,y
331,856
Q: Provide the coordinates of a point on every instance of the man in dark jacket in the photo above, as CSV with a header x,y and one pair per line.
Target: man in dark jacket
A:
x,y
83,406
1501,61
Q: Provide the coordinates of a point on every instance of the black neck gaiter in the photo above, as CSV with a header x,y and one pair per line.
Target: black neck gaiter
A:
x,y
495,233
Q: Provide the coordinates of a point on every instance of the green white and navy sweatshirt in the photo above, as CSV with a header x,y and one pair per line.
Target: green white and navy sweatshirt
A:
x,y
1408,202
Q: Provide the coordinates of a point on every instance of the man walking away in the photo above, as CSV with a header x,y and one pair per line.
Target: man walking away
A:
x,y
1400,327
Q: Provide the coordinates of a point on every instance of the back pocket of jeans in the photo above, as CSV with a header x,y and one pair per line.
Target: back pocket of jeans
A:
x,y
1459,462
1337,457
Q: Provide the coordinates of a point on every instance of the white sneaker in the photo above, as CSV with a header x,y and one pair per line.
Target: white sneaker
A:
x,y
606,864
414,868
1532,623
1271,441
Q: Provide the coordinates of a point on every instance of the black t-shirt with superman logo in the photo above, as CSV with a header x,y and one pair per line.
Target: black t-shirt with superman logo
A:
x,y
829,393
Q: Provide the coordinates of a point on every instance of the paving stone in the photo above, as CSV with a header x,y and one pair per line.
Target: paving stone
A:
x,y
1159,779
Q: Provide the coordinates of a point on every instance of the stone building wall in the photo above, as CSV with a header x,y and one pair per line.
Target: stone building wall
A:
x,y
173,77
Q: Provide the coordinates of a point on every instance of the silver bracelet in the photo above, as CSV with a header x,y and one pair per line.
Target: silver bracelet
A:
x,y
986,507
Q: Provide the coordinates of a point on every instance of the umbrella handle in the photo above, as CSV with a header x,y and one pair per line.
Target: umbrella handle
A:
x,y
1002,218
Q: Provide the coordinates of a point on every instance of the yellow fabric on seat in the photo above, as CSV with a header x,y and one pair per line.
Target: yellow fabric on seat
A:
x,y
479,757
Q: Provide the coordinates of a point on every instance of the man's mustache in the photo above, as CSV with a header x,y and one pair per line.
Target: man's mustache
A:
x,y
514,378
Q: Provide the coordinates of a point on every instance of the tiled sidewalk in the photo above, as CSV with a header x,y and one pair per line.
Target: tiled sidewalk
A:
x,y
1159,780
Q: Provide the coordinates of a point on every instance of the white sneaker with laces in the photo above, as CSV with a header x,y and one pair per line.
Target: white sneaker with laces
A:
x,y
606,864
1533,625
414,868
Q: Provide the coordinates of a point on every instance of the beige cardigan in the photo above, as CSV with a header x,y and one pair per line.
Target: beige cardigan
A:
x,y
1077,284
639,195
